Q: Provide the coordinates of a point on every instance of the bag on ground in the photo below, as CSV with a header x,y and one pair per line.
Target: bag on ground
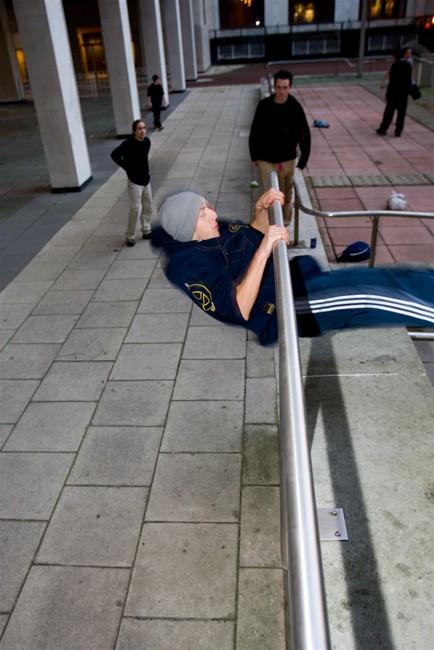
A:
x,y
358,251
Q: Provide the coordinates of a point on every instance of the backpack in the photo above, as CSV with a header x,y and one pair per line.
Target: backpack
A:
x,y
358,251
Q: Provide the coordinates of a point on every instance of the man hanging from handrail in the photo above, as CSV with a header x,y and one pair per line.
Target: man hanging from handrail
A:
x,y
227,270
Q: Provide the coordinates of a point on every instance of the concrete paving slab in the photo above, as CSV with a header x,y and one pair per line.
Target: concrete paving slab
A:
x,y
45,329
88,260
260,527
13,315
260,610
117,290
19,541
260,360
26,361
204,426
182,635
3,622
108,314
24,292
121,456
125,269
158,328
51,426
76,280
375,351
147,361
92,344
68,607
195,487
261,459
5,430
168,301
63,302
55,253
261,404
134,403
219,379
94,526
42,271
221,342
48,426
5,336
197,556
30,483
15,394
81,381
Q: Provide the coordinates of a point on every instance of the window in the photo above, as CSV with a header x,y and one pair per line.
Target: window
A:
x,y
311,11
236,14
385,9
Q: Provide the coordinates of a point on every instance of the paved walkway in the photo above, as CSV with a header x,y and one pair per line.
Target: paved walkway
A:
x,y
139,482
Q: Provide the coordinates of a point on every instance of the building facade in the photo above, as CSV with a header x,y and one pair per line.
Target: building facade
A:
x,y
53,46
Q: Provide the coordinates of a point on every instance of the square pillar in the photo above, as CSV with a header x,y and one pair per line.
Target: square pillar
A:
x,y
175,55
153,42
188,43
42,28
118,50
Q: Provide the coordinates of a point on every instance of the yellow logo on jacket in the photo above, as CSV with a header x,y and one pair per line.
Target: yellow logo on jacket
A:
x,y
202,296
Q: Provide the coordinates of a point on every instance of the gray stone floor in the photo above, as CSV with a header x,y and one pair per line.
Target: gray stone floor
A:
x,y
139,480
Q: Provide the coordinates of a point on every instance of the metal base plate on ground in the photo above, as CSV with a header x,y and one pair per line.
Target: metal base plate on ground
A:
x,y
331,523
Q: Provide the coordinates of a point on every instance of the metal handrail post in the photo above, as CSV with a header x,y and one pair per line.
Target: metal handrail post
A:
x,y
296,218
308,621
374,234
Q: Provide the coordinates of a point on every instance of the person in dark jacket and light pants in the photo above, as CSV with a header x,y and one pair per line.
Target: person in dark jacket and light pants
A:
x,y
132,156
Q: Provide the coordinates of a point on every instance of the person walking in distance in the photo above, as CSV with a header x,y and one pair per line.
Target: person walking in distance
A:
x,y
132,156
279,127
155,99
398,88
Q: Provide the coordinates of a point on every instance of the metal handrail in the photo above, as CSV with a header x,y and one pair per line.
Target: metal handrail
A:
x,y
374,215
308,621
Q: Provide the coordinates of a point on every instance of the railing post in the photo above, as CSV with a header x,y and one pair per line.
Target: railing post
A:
x,y
374,233
296,217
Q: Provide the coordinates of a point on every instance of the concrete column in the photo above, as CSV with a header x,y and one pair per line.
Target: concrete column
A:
x,y
201,34
11,87
275,12
188,43
175,56
120,65
152,39
41,24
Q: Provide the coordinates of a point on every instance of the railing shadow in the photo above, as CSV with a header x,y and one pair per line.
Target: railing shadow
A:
x,y
364,599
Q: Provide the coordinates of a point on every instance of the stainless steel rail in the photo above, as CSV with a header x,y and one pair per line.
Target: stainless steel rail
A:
x,y
307,611
374,215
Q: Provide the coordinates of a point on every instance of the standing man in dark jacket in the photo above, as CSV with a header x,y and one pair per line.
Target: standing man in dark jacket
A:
x,y
278,128
132,156
400,80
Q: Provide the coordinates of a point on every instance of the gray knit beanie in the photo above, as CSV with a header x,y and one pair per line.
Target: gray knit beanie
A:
x,y
179,214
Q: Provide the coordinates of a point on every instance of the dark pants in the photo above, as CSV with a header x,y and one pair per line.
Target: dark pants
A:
x,y
156,111
398,105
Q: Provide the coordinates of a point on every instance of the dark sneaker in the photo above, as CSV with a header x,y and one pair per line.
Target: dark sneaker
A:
x,y
130,242
381,132
146,235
